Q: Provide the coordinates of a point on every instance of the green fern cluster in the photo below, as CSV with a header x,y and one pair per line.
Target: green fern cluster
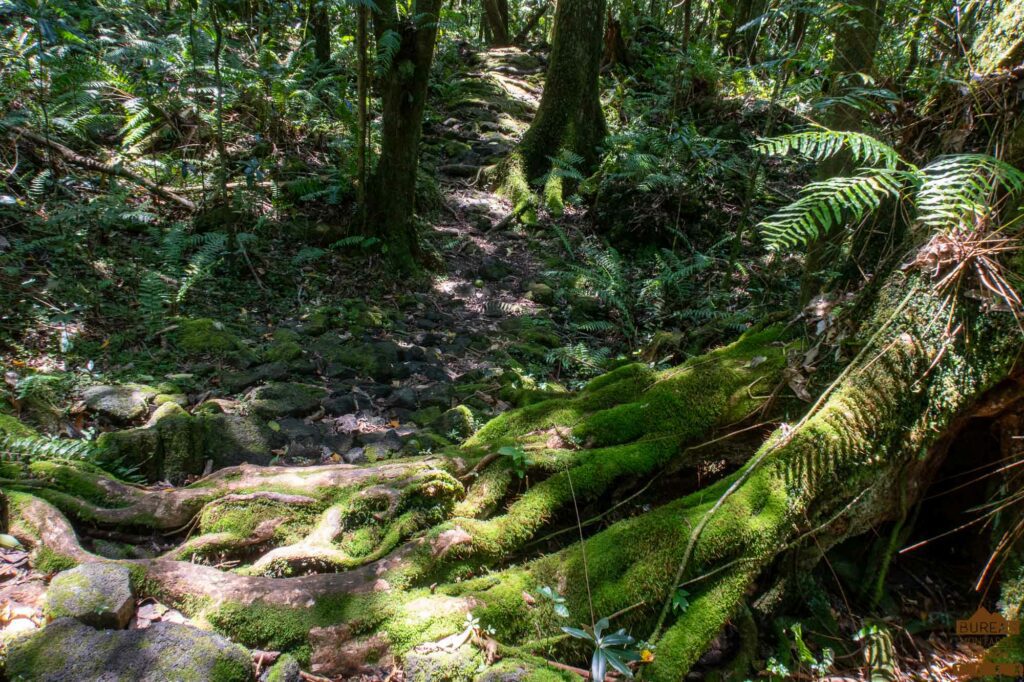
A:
x,y
951,191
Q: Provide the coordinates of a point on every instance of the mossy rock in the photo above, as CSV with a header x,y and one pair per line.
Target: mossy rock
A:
x,y
12,426
460,665
204,336
66,649
320,321
529,330
178,445
121,404
540,293
457,423
664,344
98,594
236,381
377,360
285,399
286,669
177,398
283,351
164,411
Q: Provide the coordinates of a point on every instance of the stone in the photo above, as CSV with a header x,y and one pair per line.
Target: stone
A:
x,y
460,665
204,336
235,382
355,456
179,398
285,399
67,650
121,404
457,423
402,397
437,395
98,594
164,411
492,269
540,293
346,403
286,669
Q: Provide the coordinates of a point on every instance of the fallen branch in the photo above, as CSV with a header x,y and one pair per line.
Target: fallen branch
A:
x,y
77,159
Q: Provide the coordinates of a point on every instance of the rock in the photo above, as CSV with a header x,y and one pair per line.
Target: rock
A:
x,y
492,269
285,399
204,336
402,397
286,669
355,456
179,445
121,404
335,653
376,360
98,594
164,411
457,423
178,398
234,382
284,351
346,403
437,395
540,292
460,665
67,650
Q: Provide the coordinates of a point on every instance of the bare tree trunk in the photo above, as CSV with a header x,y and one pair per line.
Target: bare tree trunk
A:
x,y
320,27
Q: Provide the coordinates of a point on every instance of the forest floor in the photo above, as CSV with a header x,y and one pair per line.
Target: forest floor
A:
x,y
413,371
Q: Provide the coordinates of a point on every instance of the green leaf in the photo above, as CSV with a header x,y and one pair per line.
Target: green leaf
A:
x,y
9,541
680,601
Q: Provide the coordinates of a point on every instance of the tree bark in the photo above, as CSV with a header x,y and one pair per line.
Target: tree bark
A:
x,y
392,189
320,27
497,23
569,117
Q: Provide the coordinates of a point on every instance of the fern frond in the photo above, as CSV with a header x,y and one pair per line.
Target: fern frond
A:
x,y
957,188
822,143
831,202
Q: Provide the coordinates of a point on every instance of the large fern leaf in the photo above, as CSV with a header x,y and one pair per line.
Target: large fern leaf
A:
x,y
955,189
822,143
829,203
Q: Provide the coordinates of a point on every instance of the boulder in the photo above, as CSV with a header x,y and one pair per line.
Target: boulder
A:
x,y
67,649
98,594
285,399
120,404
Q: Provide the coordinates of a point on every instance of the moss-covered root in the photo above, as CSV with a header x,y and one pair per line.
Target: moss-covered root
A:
x,y
90,495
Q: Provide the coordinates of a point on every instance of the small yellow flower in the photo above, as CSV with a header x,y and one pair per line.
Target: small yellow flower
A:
x,y
646,656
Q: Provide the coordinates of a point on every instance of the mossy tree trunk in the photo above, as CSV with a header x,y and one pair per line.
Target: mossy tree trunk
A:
x,y
392,188
569,118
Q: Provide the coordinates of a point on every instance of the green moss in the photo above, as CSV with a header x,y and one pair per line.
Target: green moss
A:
x,y
46,560
204,336
284,350
12,426
283,669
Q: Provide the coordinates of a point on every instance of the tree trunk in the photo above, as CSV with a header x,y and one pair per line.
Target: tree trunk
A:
x,y
392,189
496,22
569,117
320,27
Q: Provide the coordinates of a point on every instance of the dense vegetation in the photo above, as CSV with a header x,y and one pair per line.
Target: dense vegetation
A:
x,y
509,340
